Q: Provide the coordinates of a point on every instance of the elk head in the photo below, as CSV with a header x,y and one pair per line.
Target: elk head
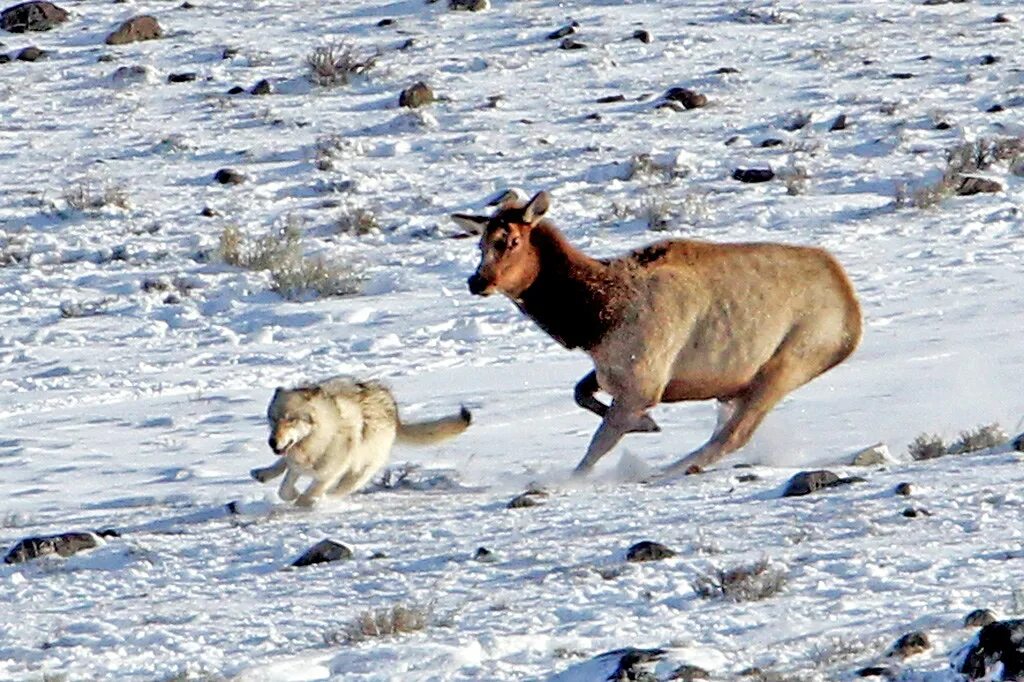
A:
x,y
508,261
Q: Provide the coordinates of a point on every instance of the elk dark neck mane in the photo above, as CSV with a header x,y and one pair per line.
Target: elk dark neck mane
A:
x,y
574,298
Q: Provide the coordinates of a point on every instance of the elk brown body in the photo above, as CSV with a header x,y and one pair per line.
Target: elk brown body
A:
x,y
742,323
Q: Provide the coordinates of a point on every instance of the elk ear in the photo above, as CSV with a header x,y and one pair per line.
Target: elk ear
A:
x,y
538,206
513,197
472,224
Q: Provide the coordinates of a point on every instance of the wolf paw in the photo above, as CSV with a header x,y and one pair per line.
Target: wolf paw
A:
x,y
288,494
261,475
305,500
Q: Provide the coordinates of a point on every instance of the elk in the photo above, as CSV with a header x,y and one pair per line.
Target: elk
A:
x,y
741,323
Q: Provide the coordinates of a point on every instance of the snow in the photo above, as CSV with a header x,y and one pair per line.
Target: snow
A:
x,y
145,416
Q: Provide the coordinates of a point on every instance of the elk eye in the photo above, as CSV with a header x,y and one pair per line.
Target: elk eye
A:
x,y
513,242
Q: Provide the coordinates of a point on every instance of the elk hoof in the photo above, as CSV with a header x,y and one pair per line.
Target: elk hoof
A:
x,y
694,469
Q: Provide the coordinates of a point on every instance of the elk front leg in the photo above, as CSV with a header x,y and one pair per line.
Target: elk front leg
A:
x,y
621,418
584,395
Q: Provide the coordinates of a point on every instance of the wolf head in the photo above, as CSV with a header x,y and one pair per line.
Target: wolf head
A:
x,y
294,415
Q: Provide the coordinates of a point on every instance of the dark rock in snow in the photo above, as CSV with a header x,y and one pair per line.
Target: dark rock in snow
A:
x,y
610,99
689,673
1018,443
620,665
971,186
566,30
237,90
4,59
914,512
484,555
32,16
323,552
905,489
902,75
264,87
648,551
772,142
136,29
995,109
31,54
726,70
979,618
999,643
690,99
527,499
990,59
1002,18
62,544
807,482
570,44
229,176
416,95
469,5
386,22
911,644
182,77
229,53
753,174
643,35
876,671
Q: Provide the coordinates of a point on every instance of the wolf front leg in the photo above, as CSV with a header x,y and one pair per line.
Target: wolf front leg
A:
x,y
264,474
314,492
287,491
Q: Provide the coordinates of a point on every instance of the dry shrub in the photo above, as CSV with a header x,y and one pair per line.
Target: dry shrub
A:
x,y
357,220
980,438
962,162
751,582
337,63
86,196
656,213
387,621
927,446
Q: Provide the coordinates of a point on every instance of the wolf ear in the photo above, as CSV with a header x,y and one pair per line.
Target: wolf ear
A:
x,y
538,206
472,224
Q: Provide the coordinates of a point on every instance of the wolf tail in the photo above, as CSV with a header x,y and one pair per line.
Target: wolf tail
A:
x,y
426,433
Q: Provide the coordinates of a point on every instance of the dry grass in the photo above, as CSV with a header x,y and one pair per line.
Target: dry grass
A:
x,y
927,446
357,220
752,582
337,63
656,213
293,275
796,179
980,438
85,196
387,621
962,162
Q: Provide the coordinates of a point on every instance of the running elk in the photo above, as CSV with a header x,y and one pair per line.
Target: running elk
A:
x,y
742,323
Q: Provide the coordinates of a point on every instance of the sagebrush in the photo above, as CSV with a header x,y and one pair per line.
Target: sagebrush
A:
x,y
383,622
337,63
749,582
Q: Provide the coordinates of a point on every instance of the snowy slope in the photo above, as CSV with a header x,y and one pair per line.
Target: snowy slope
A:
x,y
147,417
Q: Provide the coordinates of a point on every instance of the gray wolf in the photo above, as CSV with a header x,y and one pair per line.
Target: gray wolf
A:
x,y
340,432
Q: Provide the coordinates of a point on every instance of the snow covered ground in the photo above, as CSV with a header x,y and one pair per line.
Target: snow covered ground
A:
x,y
147,416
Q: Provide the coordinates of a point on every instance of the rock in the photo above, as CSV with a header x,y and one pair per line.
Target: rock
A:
x,y
772,142
1002,18
229,53
385,22
688,98
838,124
943,125
620,665
523,501
136,29
186,5
32,16
876,671
914,512
872,455
62,544
570,44
643,35
103,58
469,5
610,99
975,185
1018,443
566,30
753,174
416,95
995,109
182,77
323,552
990,59
237,90
264,87
807,482
689,673
649,551
229,176
4,59
31,54
208,212
484,555
904,489
911,644
726,70
131,75
747,478
979,618
902,75
999,643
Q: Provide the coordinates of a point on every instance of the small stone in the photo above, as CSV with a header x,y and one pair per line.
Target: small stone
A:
x,y
523,501
32,16
995,109
469,5
649,551
873,455
134,74
105,58
136,29
378,555
772,142
186,5
264,87
566,30
416,95
807,482
409,42
4,59
31,54
229,53
187,77
484,555
688,98
732,140
689,673
990,59
323,552
643,35
911,644
943,125
1018,443
971,186
386,22
1002,18
753,174
876,671
904,489
208,212
610,99
237,90
901,75
63,544
747,478
726,70
229,176
570,44
979,618
914,512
